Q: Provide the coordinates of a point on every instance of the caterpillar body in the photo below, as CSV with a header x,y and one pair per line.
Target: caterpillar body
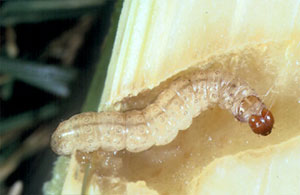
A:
x,y
159,123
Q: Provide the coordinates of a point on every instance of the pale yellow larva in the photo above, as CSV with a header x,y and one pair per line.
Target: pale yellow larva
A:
x,y
159,123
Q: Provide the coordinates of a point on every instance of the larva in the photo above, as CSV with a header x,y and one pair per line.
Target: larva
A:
x,y
159,123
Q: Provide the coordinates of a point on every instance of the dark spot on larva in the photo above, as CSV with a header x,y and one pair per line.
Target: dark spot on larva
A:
x,y
140,119
119,129
88,129
142,130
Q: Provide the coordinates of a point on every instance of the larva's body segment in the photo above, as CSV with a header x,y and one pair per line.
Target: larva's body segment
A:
x,y
199,84
139,136
184,91
109,129
158,118
159,123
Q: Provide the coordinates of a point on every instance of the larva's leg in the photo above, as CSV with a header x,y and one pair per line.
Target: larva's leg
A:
x,y
139,136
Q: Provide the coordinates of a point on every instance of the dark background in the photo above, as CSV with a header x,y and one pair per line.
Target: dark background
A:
x,y
32,39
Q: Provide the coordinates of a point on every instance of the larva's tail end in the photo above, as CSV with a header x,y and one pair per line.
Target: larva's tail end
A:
x,y
55,144
262,124
58,143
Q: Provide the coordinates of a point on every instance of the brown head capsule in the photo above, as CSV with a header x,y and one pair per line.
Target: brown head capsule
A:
x,y
262,124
